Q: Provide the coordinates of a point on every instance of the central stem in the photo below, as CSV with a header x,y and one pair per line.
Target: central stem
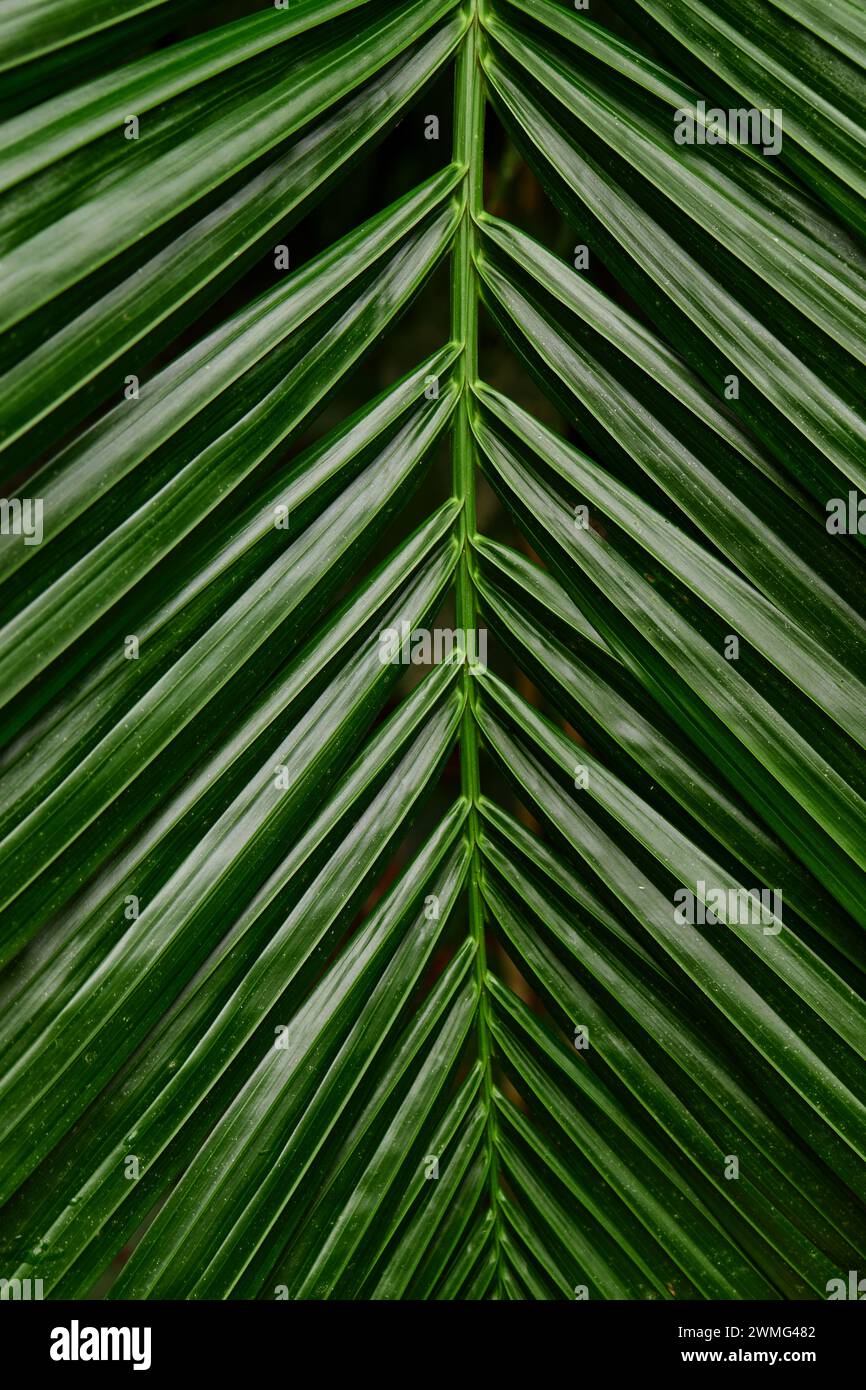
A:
x,y
469,151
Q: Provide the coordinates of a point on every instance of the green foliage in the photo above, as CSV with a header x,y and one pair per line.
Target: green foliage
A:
x,y
275,1023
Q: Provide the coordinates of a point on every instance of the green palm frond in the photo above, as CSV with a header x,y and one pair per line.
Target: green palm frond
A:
x,y
324,976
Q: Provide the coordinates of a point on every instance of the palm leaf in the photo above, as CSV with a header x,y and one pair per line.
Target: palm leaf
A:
x,y
320,982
